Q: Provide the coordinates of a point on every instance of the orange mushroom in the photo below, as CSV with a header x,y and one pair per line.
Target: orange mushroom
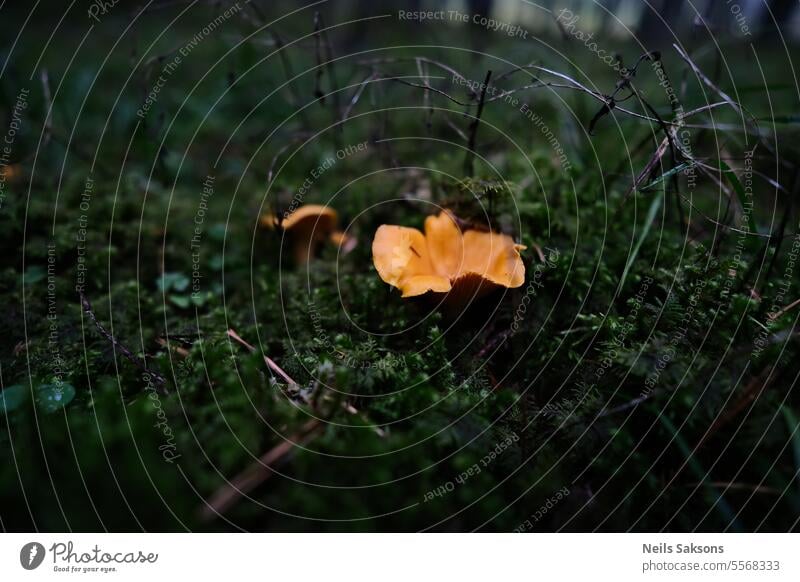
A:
x,y
11,173
306,228
444,260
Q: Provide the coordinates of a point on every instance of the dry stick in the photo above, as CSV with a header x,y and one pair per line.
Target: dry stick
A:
x,y
231,492
181,351
357,95
349,407
710,84
287,67
785,310
668,131
50,132
751,393
442,66
507,92
426,97
747,117
618,170
386,149
578,86
514,69
574,86
428,88
271,173
468,161
138,362
278,154
661,150
457,129
355,411
321,40
649,167
273,366
625,82
318,92
331,66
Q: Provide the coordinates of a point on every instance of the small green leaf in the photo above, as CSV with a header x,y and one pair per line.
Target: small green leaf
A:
x,y
199,299
34,274
181,301
216,262
53,397
217,231
11,398
173,282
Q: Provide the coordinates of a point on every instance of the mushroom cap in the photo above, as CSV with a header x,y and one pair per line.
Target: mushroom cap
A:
x,y
317,216
313,216
446,260
306,227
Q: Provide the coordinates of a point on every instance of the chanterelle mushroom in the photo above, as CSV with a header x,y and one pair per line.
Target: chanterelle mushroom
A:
x,y
445,260
306,227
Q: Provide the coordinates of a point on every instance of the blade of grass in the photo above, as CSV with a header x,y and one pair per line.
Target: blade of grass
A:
x,y
648,224
794,433
785,119
715,498
666,175
731,176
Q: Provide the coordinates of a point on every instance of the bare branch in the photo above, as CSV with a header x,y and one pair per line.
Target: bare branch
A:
x,y
138,362
468,161
272,365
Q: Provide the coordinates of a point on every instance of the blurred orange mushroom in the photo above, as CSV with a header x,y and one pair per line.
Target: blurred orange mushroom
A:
x,y
11,173
444,260
307,227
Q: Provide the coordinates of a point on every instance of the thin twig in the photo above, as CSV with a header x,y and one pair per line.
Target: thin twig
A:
x,y
181,351
473,130
289,71
785,310
357,95
138,362
257,473
426,100
331,66
428,88
457,129
755,387
442,66
318,92
273,366
354,411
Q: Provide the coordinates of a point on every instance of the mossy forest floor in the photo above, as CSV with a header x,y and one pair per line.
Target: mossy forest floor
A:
x,y
635,381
